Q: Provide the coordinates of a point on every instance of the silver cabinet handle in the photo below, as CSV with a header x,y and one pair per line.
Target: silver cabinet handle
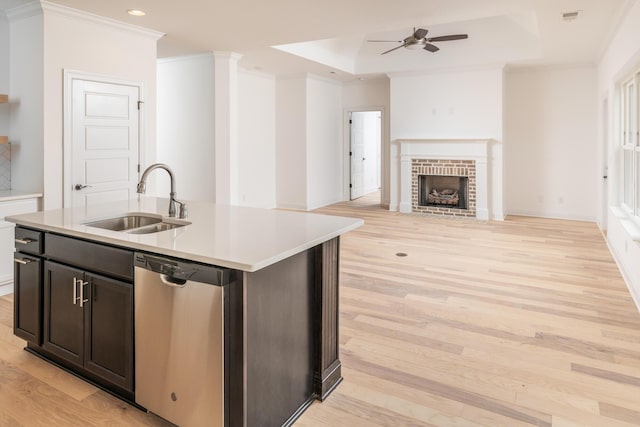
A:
x,y
75,290
82,285
24,241
79,187
79,283
23,261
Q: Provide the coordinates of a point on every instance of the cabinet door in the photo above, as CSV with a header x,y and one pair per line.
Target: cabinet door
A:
x,y
27,298
109,330
63,314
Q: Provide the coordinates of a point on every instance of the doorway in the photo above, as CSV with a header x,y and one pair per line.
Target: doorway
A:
x,y
365,142
102,123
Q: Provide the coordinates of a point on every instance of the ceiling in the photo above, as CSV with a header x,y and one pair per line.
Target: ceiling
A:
x,y
328,37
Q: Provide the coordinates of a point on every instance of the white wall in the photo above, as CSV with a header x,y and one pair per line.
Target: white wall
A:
x,y
551,130
257,139
325,163
4,73
449,105
26,95
364,95
620,59
291,150
74,42
185,133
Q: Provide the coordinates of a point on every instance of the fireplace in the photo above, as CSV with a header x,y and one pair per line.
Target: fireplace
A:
x,y
443,187
479,160
443,191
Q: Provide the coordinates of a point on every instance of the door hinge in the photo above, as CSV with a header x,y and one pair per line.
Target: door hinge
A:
x,y
139,103
350,185
138,168
350,153
350,121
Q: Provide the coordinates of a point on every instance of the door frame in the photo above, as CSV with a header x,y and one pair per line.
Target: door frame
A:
x,y
346,191
69,77
604,163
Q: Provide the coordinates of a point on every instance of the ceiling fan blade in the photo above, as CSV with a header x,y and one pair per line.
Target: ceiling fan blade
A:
x,y
431,47
420,33
448,38
385,41
395,48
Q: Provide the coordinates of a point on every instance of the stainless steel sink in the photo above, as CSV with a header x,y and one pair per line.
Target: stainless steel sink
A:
x,y
125,222
137,223
162,226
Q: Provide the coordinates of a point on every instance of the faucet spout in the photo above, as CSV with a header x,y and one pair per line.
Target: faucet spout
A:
x,y
142,188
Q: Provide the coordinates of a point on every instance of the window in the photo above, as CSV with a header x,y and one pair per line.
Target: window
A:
x,y
630,146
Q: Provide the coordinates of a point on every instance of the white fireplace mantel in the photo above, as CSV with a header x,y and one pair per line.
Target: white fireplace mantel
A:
x,y
478,150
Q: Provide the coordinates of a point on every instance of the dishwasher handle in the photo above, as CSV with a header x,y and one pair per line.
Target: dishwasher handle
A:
x,y
173,281
177,272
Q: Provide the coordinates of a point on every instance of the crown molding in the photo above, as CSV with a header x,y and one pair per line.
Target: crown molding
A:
x,y
43,7
182,58
448,70
232,56
24,11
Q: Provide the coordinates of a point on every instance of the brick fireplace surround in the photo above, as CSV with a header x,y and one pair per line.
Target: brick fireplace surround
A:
x,y
444,167
477,159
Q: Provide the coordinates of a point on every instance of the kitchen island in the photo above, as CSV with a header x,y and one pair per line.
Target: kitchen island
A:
x,y
277,272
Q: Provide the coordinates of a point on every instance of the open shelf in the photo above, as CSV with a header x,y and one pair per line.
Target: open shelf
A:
x,y
3,100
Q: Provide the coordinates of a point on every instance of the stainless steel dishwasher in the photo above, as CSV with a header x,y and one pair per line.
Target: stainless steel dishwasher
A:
x,y
179,340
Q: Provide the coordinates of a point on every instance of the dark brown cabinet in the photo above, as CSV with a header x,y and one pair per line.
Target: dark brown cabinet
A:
x,y
74,305
88,321
63,315
108,346
28,285
28,298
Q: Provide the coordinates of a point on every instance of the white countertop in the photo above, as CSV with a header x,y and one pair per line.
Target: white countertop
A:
x,y
8,195
242,238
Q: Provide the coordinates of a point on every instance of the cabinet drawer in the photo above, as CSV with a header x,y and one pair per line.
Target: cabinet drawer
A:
x,y
91,256
28,241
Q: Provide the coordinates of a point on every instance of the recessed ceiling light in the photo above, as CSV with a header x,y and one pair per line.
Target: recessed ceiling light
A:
x,y
136,12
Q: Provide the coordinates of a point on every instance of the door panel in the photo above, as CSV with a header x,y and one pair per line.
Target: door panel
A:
x,y
107,138
107,197
107,170
109,335
28,298
101,104
63,316
104,142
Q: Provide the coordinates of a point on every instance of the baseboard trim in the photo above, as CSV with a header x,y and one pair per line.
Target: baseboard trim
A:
x,y
635,294
6,288
551,215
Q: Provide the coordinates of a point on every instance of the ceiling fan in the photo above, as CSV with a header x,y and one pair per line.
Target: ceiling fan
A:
x,y
419,39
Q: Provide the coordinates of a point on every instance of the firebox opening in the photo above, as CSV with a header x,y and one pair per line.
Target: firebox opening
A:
x,y
443,191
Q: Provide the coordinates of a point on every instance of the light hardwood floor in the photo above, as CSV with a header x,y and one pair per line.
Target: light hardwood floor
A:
x,y
515,323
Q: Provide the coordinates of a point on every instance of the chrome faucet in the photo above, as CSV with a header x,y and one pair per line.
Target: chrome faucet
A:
x,y
142,187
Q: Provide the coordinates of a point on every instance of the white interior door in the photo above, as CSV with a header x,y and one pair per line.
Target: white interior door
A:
x,y
104,142
365,146
357,157
372,144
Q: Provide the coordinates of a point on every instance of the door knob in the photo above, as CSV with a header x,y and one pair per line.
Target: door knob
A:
x,y
79,187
